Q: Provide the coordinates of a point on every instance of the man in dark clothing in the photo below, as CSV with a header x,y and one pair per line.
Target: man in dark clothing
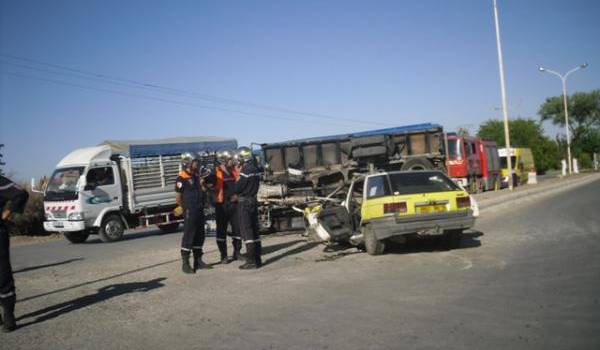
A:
x,y
222,180
18,198
246,188
190,196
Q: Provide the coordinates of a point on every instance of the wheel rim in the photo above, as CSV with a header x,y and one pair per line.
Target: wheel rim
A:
x,y
113,229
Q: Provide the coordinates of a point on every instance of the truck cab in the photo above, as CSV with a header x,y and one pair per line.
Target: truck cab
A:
x,y
84,187
522,164
464,162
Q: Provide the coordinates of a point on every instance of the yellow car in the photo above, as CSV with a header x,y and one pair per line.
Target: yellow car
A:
x,y
393,206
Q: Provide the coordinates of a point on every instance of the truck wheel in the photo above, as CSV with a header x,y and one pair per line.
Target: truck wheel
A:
x,y
168,228
373,246
77,236
451,239
417,164
112,229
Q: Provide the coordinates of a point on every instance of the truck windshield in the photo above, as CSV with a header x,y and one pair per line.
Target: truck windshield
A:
x,y
421,182
513,162
62,186
454,151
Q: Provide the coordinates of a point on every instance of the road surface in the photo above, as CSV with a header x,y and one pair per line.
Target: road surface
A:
x,y
527,277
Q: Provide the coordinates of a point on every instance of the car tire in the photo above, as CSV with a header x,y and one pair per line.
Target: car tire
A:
x,y
112,229
373,246
417,164
76,237
451,239
168,228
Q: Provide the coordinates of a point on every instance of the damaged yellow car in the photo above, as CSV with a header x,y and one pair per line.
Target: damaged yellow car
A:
x,y
386,206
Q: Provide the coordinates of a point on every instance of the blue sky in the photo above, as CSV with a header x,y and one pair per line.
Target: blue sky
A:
x,y
379,62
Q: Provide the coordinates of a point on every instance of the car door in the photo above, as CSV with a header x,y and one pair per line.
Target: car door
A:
x,y
102,191
336,219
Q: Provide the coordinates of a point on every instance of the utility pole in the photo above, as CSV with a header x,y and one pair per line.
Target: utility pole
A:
x,y
503,93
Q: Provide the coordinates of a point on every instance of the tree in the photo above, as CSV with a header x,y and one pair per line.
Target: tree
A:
x,y
584,121
524,133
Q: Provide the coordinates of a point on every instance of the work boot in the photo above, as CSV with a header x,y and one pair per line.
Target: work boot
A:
x,y
237,247
250,259
198,263
258,254
8,314
185,259
223,250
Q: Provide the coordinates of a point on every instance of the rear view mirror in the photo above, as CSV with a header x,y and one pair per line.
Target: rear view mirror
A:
x,y
81,184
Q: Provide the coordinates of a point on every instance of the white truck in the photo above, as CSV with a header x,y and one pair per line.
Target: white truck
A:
x,y
119,185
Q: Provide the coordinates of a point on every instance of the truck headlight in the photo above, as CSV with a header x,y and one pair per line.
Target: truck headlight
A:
x,y
75,216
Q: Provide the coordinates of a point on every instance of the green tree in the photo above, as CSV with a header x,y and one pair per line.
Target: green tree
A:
x,y
524,133
584,121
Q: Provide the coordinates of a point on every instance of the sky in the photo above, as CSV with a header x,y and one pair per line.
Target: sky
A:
x,y
265,71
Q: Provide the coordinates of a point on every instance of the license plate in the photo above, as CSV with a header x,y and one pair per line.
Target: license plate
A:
x,y
59,224
426,209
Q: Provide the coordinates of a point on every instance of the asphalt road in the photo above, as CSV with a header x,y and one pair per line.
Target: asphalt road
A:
x,y
527,277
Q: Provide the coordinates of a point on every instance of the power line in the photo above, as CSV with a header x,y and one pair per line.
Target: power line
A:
x,y
178,92
159,99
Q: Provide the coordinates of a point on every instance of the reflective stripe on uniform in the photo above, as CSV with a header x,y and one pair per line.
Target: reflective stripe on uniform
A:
x,y
6,295
252,240
236,237
249,175
186,249
7,186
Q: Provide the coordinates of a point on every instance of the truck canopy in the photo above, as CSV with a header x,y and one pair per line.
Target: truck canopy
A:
x,y
177,145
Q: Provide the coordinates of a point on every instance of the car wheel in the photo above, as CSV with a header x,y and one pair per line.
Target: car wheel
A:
x,y
76,237
112,229
168,228
373,245
451,239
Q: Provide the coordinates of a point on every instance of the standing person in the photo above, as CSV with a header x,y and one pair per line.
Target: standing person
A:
x,y
246,188
18,198
222,180
190,196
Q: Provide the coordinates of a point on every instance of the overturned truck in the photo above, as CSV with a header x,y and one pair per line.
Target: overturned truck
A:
x,y
300,170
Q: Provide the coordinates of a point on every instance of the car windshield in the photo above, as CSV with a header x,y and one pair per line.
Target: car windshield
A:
x,y
63,184
513,161
454,149
421,182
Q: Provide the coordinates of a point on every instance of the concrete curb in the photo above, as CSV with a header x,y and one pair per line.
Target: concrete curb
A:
x,y
536,192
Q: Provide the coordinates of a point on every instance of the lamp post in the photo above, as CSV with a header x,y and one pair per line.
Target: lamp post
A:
x,y
503,93
563,79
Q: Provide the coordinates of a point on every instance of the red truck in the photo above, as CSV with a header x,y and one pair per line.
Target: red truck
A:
x,y
473,163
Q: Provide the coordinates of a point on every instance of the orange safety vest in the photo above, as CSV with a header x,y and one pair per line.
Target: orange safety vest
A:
x,y
221,178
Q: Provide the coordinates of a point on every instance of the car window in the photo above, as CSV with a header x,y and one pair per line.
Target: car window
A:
x,y
421,182
100,176
378,186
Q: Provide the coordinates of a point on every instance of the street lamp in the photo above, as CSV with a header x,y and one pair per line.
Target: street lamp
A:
x,y
563,78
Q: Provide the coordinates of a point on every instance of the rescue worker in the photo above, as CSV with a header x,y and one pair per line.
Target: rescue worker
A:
x,y
18,198
222,180
246,188
190,196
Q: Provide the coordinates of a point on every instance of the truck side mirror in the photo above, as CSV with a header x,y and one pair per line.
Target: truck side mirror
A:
x,y
34,187
82,184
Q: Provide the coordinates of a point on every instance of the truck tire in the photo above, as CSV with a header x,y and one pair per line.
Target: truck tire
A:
x,y
373,151
168,228
77,236
373,246
417,164
451,239
112,229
